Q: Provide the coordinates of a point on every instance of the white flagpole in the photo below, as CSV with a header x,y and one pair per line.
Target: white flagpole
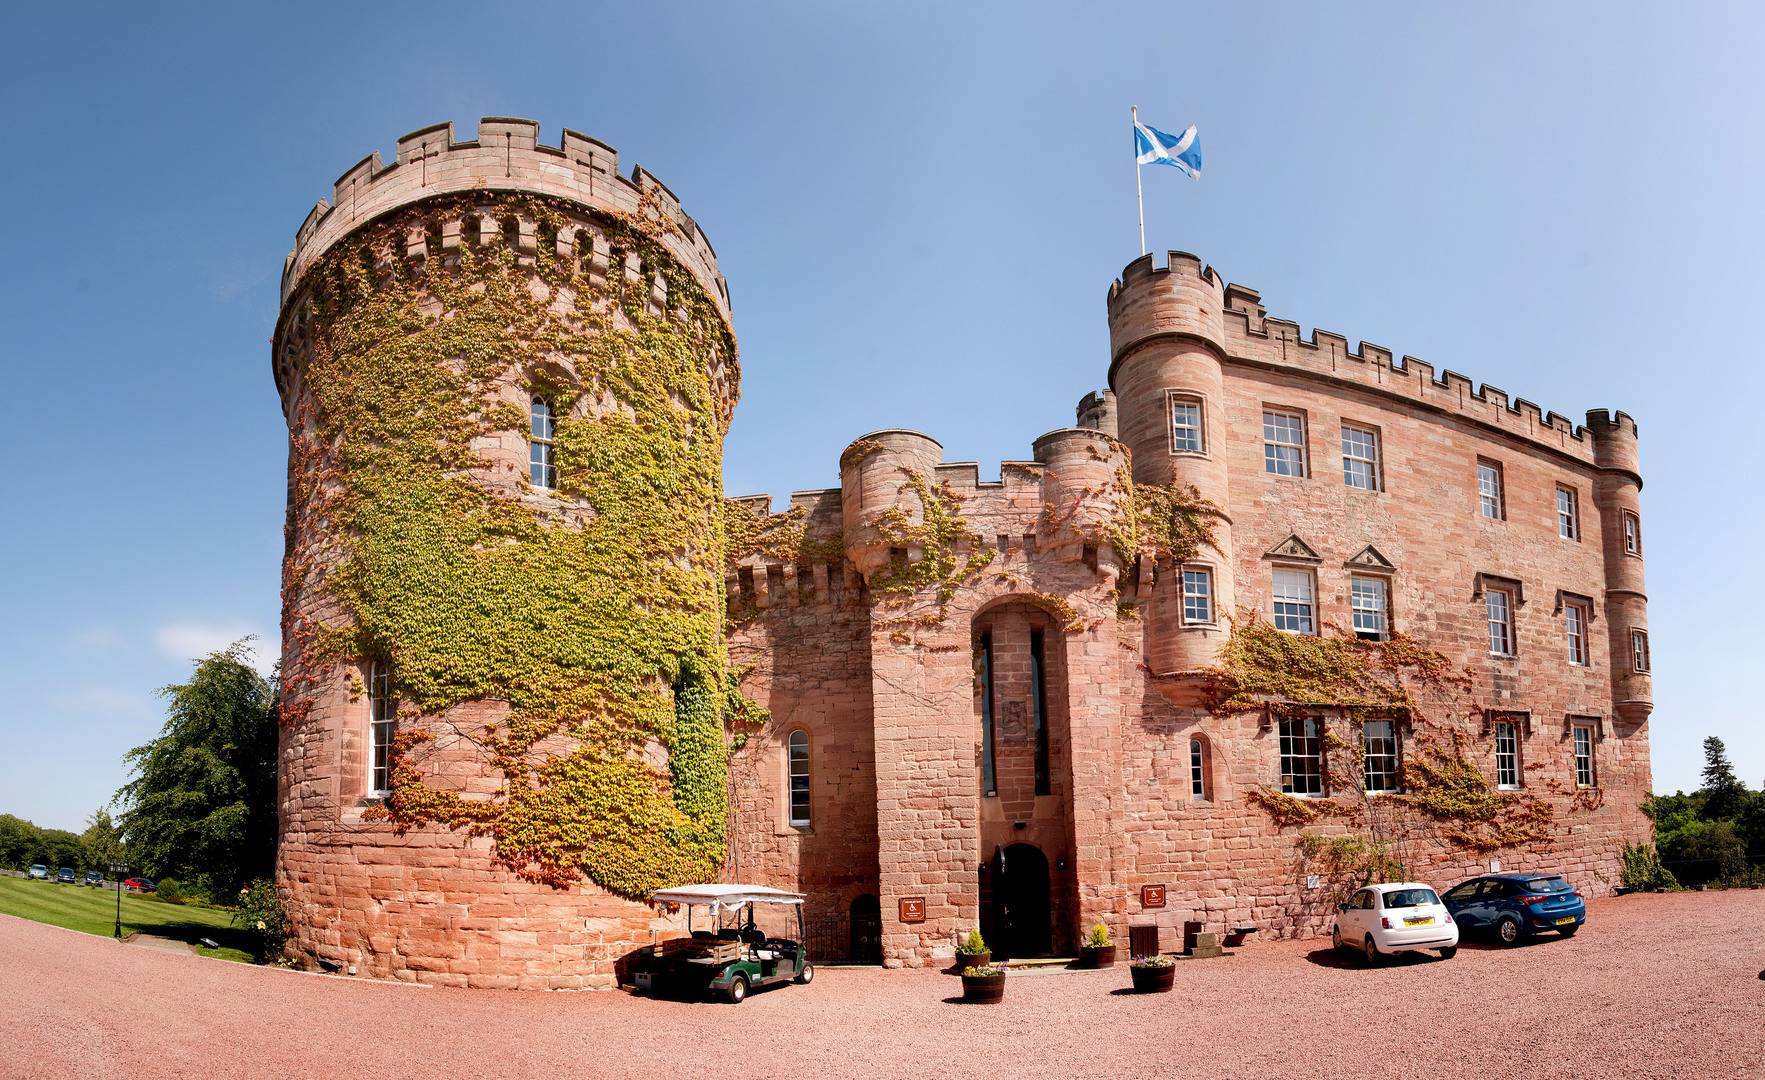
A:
x,y
1139,191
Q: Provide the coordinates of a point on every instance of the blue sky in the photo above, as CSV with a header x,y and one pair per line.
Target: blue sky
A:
x,y
919,208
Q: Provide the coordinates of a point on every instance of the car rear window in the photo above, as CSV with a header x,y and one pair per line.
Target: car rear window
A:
x,y
1402,898
1548,885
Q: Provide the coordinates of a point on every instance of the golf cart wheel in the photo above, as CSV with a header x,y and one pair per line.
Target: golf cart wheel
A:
x,y
1507,931
1370,951
807,975
1449,952
738,990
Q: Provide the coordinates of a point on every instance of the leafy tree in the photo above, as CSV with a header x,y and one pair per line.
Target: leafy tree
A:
x,y
202,804
18,842
103,841
1724,794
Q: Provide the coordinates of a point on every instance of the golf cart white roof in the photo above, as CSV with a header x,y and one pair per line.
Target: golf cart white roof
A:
x,y
725,896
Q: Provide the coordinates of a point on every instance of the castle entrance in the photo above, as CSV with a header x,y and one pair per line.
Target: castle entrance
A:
x,y
1018,922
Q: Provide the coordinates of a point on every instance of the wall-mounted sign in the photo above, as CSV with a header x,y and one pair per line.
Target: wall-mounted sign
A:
x,y
1312,881
1152,896
912,909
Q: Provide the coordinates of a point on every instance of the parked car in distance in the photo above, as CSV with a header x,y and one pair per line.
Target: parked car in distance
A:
x,y
38,872
1515,906
65,876
1382,920
139,884
93,877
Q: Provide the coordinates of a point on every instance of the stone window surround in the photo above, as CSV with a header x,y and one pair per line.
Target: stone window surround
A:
x,y
1499,494
1200,768
1631,522
1172,395
1213,604
1567,600
1572,518
793,823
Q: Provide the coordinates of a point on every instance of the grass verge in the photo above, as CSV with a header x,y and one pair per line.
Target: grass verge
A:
x,y
93,911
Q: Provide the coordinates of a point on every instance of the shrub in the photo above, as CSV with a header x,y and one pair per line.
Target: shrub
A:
x,y
973,945
1099,938
260,911
1642,869
170,890
1704,851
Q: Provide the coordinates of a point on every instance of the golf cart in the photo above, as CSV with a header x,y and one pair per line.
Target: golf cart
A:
x,y
729,951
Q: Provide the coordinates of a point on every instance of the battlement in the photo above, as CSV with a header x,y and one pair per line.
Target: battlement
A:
x,y
1148,301
507,156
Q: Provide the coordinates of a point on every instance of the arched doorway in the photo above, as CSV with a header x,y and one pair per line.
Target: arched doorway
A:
x,y
1017,922
866,930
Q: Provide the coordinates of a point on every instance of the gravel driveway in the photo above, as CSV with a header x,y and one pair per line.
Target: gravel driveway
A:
x,y
1654,986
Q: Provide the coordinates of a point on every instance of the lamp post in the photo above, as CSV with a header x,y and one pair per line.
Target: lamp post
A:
x,y
117,870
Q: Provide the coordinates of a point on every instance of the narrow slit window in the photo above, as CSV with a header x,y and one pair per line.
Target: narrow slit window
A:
x,y
541,468
799,778
1039,707
1360,457
984,674
1283,442
382,726
1197,770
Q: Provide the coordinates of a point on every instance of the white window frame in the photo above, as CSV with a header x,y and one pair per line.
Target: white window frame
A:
x,y
1639,650
1296,590
1198,591
1507,776
1492,500
797,740
1502,640
1381,612
1568,513
1176,398
542,469
1390,758
382,728
1586,767
1576,618
1197,769
1301,741
1283,443
1367,456
1632,532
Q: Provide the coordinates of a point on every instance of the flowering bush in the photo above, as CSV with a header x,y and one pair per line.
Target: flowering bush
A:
x,y
983,972
260,911
1156,960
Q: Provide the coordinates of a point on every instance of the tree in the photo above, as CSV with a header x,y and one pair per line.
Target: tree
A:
x,y
202,804
1724,794
103,841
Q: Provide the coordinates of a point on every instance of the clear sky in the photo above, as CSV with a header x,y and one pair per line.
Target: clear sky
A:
x,y
919,208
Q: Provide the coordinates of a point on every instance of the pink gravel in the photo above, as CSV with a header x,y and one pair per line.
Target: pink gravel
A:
x,y
1655,986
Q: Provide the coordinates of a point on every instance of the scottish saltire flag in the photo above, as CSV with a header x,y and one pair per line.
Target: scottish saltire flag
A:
x,y
1154,147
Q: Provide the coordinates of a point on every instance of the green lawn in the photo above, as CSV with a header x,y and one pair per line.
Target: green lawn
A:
x,y
93,911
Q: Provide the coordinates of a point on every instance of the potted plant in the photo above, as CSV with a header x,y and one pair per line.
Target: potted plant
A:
x,y
1153,974
973,952
1098,951
983,985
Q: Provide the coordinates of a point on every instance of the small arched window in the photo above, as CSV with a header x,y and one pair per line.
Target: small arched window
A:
x,y
799,777
1198,785
541,470
382,723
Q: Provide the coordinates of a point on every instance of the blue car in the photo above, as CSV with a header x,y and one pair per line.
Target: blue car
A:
x,y
1516,906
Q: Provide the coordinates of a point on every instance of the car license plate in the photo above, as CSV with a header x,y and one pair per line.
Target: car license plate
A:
x,y
644,980
1565,922
1418,920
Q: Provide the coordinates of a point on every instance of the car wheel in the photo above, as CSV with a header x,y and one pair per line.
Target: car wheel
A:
x,y
1569,931
1507,931
1370,951
1335,937
1449,952
807,975
738,990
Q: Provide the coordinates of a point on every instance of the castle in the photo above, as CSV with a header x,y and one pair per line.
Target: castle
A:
x,y
1275,615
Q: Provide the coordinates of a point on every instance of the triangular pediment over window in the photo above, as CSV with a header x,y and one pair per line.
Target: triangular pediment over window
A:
x,y
1370,558
1293,549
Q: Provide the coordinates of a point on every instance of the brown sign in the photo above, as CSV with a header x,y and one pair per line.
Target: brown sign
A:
x,y
912,909
1151,896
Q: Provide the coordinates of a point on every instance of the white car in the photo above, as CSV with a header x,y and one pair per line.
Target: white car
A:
x,y
1380,920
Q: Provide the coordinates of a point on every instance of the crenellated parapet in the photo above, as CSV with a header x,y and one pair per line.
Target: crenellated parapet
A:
x,y
507,156
1188,300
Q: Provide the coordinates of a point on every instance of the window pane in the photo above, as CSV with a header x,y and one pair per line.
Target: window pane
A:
x,y
1302,763
1283,443
1293,601
1360,458
1489,490
1197,596
799,777
1501,638
1185,424
1197,778
1507,756
1379,739
1368,599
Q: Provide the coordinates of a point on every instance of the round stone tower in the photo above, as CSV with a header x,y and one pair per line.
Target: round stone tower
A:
x,y
1617,493
507,373
1166,338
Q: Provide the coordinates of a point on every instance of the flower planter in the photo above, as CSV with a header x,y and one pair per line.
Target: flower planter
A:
x,y
973,959
1096,956
1154,980
983,989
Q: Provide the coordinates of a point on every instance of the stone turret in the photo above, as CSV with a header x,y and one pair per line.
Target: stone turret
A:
x,y
1617,492
874,483
1166,337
